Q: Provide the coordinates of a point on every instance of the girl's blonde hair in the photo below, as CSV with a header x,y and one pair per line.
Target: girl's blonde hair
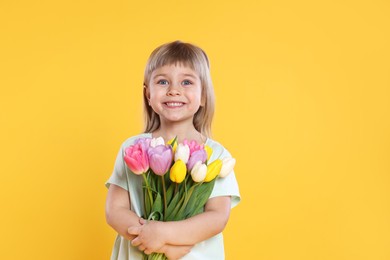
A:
x,y
185,54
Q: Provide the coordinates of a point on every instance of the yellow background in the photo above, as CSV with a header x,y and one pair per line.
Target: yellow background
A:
x,y
303,102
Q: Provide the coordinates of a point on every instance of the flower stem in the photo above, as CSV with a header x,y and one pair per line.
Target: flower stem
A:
x,y
148,188
164,194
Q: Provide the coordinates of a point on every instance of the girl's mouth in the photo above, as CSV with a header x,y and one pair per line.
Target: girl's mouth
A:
x,y
174,104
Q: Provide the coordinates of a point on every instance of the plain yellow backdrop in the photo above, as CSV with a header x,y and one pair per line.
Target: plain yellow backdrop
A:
x,y
303,103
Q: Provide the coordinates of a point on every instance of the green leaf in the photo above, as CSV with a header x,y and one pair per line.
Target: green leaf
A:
x,y
156,209
203,194
187,197
155,215
174,208
191,202
158,205
170,193
152,182
174,141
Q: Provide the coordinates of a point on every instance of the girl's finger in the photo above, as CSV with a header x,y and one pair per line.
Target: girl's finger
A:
x,y
133,230
136,242
148,252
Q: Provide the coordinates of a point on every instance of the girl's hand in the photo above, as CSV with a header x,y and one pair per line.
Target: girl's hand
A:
x,y
175,252
150,237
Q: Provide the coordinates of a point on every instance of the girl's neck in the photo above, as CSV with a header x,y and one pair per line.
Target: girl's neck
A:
x,y
170,131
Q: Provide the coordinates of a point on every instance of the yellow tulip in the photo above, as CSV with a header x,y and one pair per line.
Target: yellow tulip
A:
x,y
178,171
209,151
213,170
174,146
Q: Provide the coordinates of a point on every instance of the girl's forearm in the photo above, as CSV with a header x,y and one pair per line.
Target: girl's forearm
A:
x,y
174,252
118,213
193,230
121,219
200,227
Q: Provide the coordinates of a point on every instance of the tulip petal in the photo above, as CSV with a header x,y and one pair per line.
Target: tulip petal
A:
x,y
160,158
178,171
199,155
199,172
136,158
213,169
227,166
182,153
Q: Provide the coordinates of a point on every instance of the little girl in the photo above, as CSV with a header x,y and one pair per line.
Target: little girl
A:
x,y
178,101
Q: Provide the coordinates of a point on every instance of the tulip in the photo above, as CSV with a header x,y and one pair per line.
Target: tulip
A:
x,y
145,142
227,166
213,169
173,143
160,158
198,172
136,158
182,153
194,146
157,141
178,171
209,151
199,155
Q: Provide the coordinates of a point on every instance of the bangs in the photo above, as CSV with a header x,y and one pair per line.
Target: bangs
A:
x,y
178,54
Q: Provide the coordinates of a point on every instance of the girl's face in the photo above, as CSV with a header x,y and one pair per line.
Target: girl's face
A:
x,y
174,92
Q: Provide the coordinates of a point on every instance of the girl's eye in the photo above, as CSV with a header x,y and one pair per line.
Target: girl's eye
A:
x,y
162,82
187,82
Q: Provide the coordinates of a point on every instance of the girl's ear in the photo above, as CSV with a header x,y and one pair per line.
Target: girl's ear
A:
x,y
146,91
147,94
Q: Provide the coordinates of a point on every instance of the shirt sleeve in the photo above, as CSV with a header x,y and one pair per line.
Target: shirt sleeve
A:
x,y
118,176
228,185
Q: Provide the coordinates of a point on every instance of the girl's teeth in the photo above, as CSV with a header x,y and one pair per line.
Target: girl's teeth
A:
x,y
174,104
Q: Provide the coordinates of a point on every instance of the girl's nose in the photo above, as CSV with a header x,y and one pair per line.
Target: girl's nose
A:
x,y
173,90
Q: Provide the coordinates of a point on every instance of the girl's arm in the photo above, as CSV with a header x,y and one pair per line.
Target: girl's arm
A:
x,y
120,218
155,234
174,252
118,213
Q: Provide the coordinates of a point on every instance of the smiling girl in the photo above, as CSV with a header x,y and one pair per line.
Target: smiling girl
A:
x,y
178,102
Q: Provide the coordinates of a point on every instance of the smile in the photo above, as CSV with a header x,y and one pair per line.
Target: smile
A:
x,y
174,104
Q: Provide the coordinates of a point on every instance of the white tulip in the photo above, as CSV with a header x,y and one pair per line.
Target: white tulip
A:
x,y
199,171
182,153
157,141
227,166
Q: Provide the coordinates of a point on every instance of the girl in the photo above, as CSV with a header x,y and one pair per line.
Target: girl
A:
x,y
178,101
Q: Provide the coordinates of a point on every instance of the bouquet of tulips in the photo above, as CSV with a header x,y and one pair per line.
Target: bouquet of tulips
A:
x,y
178,179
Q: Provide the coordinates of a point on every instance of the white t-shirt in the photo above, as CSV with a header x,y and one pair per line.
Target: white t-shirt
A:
x,y
210,249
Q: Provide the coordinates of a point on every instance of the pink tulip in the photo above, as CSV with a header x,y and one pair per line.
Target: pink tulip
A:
x,y
196,156
194,146
160,158
136,159
145,142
